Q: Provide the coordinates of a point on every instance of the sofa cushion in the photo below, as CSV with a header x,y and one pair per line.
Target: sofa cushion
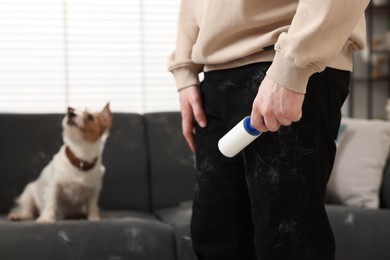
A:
x,y
360,160
126,181
171,161
135,237
360,234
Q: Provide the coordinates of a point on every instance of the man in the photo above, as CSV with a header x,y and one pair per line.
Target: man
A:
x,y
287,64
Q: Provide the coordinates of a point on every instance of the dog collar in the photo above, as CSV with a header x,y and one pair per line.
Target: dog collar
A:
x,y
79,164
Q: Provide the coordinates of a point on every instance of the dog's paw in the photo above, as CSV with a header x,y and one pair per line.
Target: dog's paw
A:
x,y
45,219
93,218
19,216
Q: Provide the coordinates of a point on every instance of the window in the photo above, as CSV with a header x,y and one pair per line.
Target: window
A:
x,y
84,53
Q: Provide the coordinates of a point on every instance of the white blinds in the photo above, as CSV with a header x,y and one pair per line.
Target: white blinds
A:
x,y
84,53
31,56
159,32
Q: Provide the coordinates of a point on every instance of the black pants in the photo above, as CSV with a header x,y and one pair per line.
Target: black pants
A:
x,y
268,201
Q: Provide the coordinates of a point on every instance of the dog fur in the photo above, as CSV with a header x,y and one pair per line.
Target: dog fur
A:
x,y
65,189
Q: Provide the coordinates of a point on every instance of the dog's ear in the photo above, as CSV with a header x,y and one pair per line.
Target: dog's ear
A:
x,y
107,115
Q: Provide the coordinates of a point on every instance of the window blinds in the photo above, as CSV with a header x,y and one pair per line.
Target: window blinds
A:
x,y
84,53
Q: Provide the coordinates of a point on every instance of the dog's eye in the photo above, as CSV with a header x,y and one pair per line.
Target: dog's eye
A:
x,y
90,117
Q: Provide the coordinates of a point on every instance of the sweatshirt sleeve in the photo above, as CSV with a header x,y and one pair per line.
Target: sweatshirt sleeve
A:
x,y
318,32
184,70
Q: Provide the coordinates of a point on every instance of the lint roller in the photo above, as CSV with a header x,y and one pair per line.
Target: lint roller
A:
x,y
238,138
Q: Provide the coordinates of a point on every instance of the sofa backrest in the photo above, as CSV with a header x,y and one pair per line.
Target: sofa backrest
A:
x,y
148,163
27,144
29,141
171,162
126,182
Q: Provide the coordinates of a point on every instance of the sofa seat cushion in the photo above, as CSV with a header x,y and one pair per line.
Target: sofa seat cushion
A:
x,y
123,235
360,234
179,219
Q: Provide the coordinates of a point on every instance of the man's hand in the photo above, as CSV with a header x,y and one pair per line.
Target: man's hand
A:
x,y
191,110
274,106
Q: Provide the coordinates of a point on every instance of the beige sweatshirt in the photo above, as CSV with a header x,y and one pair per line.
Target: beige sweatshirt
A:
x,y
308,35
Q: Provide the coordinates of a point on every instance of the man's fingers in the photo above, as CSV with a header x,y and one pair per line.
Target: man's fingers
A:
x,y
297,116
191,111
197,110
284,121
257,121
199,114
188,130
271,123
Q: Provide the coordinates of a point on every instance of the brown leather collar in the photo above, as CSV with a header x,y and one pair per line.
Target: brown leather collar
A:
x,y
79,164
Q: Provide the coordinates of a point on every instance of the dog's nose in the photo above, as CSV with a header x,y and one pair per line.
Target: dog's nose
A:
x,y
71,112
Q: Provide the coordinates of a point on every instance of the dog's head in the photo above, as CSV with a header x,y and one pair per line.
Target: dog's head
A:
x,y
86,125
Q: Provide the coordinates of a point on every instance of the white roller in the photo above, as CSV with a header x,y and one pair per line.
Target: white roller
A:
x,y
238,138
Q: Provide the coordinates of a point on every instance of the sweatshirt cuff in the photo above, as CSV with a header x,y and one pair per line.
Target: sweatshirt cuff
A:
x,y
288,74
186,76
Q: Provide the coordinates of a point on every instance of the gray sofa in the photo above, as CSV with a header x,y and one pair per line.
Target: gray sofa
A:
x,y
146,196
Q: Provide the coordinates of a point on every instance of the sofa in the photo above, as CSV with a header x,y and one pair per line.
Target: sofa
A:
x,y
146,196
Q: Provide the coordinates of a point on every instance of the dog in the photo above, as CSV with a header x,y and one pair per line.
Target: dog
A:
x,y
69,186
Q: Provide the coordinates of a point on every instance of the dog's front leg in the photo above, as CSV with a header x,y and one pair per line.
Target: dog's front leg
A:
x,y
93,208
49,210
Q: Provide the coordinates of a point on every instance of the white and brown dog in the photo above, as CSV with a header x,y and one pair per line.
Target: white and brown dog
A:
x,y
69,186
